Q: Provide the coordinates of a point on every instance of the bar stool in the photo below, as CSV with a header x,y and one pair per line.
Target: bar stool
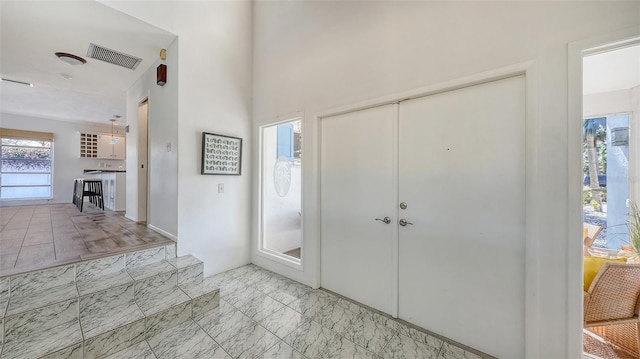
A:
x,y
89,187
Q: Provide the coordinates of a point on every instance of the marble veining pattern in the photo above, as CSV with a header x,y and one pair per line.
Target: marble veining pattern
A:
x,y
4,288
73,352
281,351
138,351
255,314
191,274
115,340
37,281
205,303
96,284
99,267
107,318
161,281
258,306
222,324
35,334
168,318
150,270
170,251
22,303
401,346
184,261
249,343
106,300
155,302
185,341
141,258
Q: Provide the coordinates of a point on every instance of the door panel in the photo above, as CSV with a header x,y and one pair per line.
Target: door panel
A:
x,y
462,175
358,154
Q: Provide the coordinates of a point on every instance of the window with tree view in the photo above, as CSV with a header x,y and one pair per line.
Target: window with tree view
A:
x,y
25,169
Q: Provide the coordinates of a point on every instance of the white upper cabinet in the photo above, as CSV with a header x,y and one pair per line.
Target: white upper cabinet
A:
x,y
109,150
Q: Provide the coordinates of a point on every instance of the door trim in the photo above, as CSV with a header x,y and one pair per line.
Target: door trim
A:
x,y
576,51
533,183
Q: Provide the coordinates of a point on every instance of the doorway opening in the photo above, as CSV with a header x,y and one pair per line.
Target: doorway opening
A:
x,y
143,161
611,105
281,190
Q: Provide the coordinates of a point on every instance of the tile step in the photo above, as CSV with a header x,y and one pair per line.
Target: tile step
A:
x,y
112,303
104,329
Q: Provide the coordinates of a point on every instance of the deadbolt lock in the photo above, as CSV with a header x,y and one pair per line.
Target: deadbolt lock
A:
x,y
403,205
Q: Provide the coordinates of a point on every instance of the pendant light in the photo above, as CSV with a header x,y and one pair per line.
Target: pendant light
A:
x,y
114,139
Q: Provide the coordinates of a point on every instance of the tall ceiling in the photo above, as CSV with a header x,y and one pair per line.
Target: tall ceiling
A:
x,y
32,31
612,70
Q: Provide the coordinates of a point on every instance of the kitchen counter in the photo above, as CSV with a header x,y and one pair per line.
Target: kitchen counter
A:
x,y
101,171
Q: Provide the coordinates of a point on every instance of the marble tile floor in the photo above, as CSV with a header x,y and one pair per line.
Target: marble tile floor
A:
x,y
264,315
43,236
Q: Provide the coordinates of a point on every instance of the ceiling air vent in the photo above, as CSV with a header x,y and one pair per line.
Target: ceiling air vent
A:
x,y
113,57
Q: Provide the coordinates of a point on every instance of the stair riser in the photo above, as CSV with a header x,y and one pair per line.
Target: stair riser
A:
x,y
72,352
99,267
147,286
115,296
23,284
204,304
114,340
142,258
168,319
23,325
191,274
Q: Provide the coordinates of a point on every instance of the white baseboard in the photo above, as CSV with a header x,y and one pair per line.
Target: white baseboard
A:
x,y
130,218
163,232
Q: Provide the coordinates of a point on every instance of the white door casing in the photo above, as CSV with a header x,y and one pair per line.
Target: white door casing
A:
x,y
358,152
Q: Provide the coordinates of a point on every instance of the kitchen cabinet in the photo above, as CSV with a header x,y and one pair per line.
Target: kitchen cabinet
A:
x,y
111,151
114,190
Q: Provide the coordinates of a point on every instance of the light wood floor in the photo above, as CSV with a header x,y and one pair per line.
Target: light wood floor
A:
x,y
38,237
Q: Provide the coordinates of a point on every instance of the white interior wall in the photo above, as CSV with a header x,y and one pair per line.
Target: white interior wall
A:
x,y
163,129
312,56
67,163
214,95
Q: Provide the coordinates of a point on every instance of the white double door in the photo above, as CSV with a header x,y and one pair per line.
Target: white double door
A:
x,y
457,160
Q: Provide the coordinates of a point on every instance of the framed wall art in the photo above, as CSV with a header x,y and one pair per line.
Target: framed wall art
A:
x,y
221,155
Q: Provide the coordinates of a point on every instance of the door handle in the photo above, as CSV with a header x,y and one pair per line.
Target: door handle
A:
x,y
386,220
403,222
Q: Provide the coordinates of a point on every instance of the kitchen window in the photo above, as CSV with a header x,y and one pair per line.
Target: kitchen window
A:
x,y
25,164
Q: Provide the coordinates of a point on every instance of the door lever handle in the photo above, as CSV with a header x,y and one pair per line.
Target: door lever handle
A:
x,y
403,222
386,220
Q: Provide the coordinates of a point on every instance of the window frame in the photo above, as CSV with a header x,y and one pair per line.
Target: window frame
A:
x,y
50,173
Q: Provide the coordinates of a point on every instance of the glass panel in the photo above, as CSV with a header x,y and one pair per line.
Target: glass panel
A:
x,y
25,166
26,153
25,179
30,143
282,188
25,192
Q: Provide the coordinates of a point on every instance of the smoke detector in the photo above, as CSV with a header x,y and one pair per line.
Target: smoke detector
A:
x,y
70,58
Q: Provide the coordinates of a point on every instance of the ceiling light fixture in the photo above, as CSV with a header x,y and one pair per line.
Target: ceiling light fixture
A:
x,y
70,58
16,82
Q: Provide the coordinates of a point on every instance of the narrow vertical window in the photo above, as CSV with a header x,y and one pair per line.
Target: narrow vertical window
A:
x,y
281,189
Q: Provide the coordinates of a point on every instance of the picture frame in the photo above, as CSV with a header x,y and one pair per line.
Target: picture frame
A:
x,y
221,155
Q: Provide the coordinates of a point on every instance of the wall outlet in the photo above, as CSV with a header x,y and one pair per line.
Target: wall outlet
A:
x,y
220,187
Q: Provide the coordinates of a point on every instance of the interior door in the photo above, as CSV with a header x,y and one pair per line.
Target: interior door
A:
x,y
462,176
358,174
